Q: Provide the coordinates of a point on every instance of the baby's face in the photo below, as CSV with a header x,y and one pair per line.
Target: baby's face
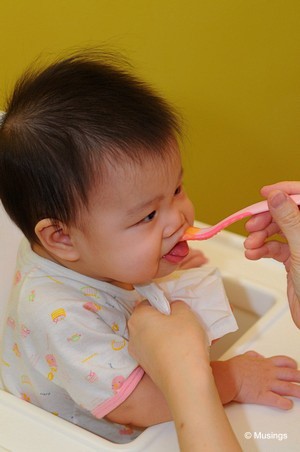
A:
x,y
134,225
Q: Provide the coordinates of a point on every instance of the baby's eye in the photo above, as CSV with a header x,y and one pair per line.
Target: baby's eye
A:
x,y
178,190
149,217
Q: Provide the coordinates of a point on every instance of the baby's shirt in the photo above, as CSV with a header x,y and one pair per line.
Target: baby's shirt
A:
x,y
202,289
65,342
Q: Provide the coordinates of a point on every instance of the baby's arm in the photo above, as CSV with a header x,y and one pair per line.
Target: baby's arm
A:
x,y
145,406
247,378
251,378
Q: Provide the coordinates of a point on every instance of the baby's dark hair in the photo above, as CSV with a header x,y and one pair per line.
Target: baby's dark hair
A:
x,y
63,124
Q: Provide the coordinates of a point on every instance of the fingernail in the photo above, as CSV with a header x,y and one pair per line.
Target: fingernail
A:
x,y
278,199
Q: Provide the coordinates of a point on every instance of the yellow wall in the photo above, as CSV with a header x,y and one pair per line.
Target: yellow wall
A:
x,y
232,67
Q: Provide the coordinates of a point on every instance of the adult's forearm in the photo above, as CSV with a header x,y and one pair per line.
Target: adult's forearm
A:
x,y
200,419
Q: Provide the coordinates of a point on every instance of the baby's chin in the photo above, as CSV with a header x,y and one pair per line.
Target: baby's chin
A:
x,y
165,268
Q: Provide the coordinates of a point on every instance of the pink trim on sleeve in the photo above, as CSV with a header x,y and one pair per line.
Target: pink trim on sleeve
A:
x,y
126,389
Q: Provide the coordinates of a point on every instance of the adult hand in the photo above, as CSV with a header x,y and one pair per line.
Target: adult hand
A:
x,y
156,342
173,351
283,218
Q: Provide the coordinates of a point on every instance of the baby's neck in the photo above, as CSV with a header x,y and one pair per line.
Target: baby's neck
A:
x,y
125,286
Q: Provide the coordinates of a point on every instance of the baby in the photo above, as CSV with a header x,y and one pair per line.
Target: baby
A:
x,y
90,171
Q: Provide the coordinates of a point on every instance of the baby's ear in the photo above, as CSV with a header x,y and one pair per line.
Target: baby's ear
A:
x,y
56,239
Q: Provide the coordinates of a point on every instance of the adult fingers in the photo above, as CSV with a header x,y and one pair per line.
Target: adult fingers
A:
x,y
290,187
273,249
258,222
286,214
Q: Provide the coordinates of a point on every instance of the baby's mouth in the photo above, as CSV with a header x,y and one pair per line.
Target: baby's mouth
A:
x,y
177,253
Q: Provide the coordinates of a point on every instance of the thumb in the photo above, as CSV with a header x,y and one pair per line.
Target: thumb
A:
x,y
286,214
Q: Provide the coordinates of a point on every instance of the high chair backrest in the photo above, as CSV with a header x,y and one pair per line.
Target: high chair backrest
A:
x,y
10,237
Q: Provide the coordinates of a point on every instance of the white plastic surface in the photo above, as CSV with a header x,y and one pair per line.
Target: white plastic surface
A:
x,y
26,428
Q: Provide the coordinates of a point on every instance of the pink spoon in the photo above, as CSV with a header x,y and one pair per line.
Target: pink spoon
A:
x,y
206,233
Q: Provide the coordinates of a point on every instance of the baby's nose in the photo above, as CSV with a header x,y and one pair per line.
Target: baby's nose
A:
x,y
174,222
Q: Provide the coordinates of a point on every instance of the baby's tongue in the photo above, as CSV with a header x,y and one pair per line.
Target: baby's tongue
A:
x,y
177,253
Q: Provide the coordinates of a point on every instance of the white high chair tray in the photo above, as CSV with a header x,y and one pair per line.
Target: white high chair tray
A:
x,y
26,428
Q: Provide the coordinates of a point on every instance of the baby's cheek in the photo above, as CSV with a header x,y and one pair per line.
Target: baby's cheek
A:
x,y
190,212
